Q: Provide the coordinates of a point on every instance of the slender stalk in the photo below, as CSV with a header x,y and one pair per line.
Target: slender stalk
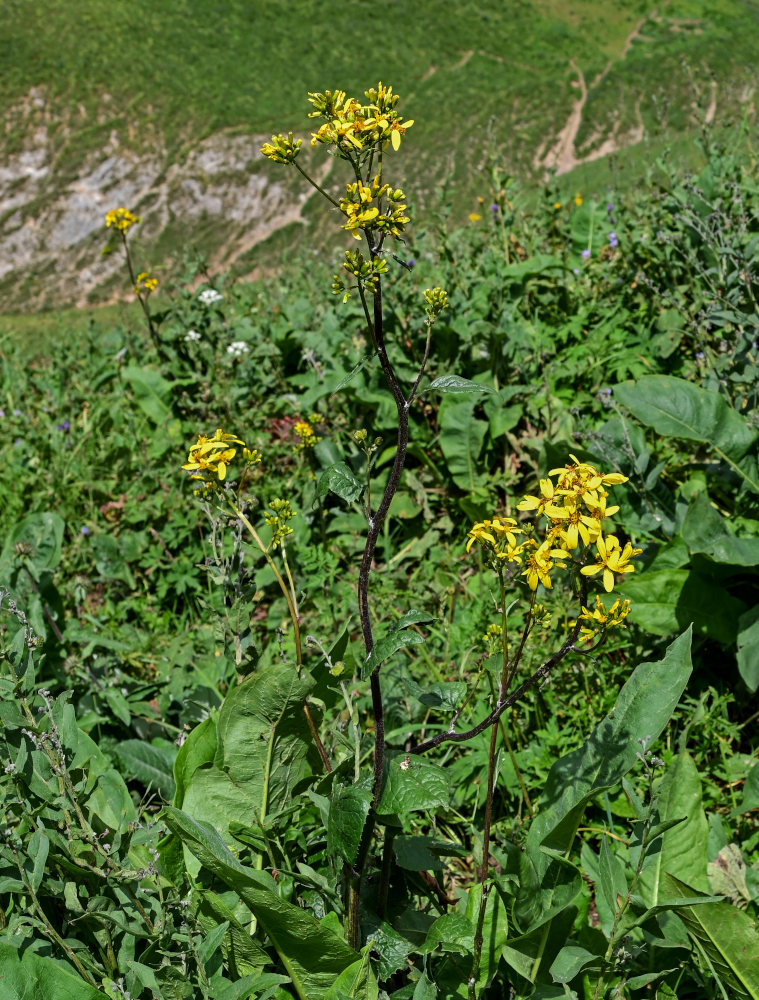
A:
x,y
289,594
540,674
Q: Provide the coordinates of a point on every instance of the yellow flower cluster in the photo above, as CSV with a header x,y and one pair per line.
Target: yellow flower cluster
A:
x,y
121,219
360,206
304,430
352,126
145,283
282,149
599,618
574,507
282,512
213,455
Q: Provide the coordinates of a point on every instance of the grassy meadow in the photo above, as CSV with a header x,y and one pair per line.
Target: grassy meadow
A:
x,y
386,626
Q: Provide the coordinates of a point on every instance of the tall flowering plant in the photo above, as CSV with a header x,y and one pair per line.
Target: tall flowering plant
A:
x,y
565,528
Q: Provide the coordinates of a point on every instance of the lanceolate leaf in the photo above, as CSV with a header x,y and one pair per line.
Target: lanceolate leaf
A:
x,y
729,937
312,954
455,383
643,709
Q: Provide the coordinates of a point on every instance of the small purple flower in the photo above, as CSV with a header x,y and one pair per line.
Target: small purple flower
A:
x,y
411,262
2,413
585,254
495,207
575,270
17,413
700,356
613,241
85,530
64,426
609,207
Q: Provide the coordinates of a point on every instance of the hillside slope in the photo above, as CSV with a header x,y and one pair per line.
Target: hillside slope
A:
x,y
161,106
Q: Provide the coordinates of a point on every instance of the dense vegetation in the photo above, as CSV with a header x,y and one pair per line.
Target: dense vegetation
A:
x,y
153,684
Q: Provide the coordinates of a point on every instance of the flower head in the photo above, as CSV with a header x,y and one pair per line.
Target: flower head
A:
x,y
281,514
121,219
145,284
212,455
209,297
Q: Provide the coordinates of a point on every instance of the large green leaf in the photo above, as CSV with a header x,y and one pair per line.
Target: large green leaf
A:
x,y
263,745
667,600
681,850
413,785
152,392
34,977
728,936
748,648
461,438
642,710
311,953
348,812
706,531
680,409
150,765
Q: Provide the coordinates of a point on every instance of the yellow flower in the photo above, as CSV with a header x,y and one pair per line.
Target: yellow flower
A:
x,y
498,536
145,284
612,558
540,563
557,205
474,216
305,433
543,504
121,219
397,129
578,525
212,455
600,618
578,199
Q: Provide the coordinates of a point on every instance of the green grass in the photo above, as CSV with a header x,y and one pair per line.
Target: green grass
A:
x,y
163,75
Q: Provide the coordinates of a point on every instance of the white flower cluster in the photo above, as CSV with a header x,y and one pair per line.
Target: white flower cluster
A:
x,y
192,336
209,297
237,348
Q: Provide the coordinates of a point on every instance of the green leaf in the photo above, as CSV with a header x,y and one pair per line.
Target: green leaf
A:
x,y
152,392
445,695
612,883
199,748
38,850
340,480
413,785
570,962
348,811
494,931
462,435
668,600
420,853
451,932
148,764
728,936
643,708
680,409
748,648
263,745
312,955
751,790
32,977
681,850
455,383
395,638
357,981
706,531
44,532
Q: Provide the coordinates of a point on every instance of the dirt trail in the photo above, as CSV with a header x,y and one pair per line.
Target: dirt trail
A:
x,y
563,156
